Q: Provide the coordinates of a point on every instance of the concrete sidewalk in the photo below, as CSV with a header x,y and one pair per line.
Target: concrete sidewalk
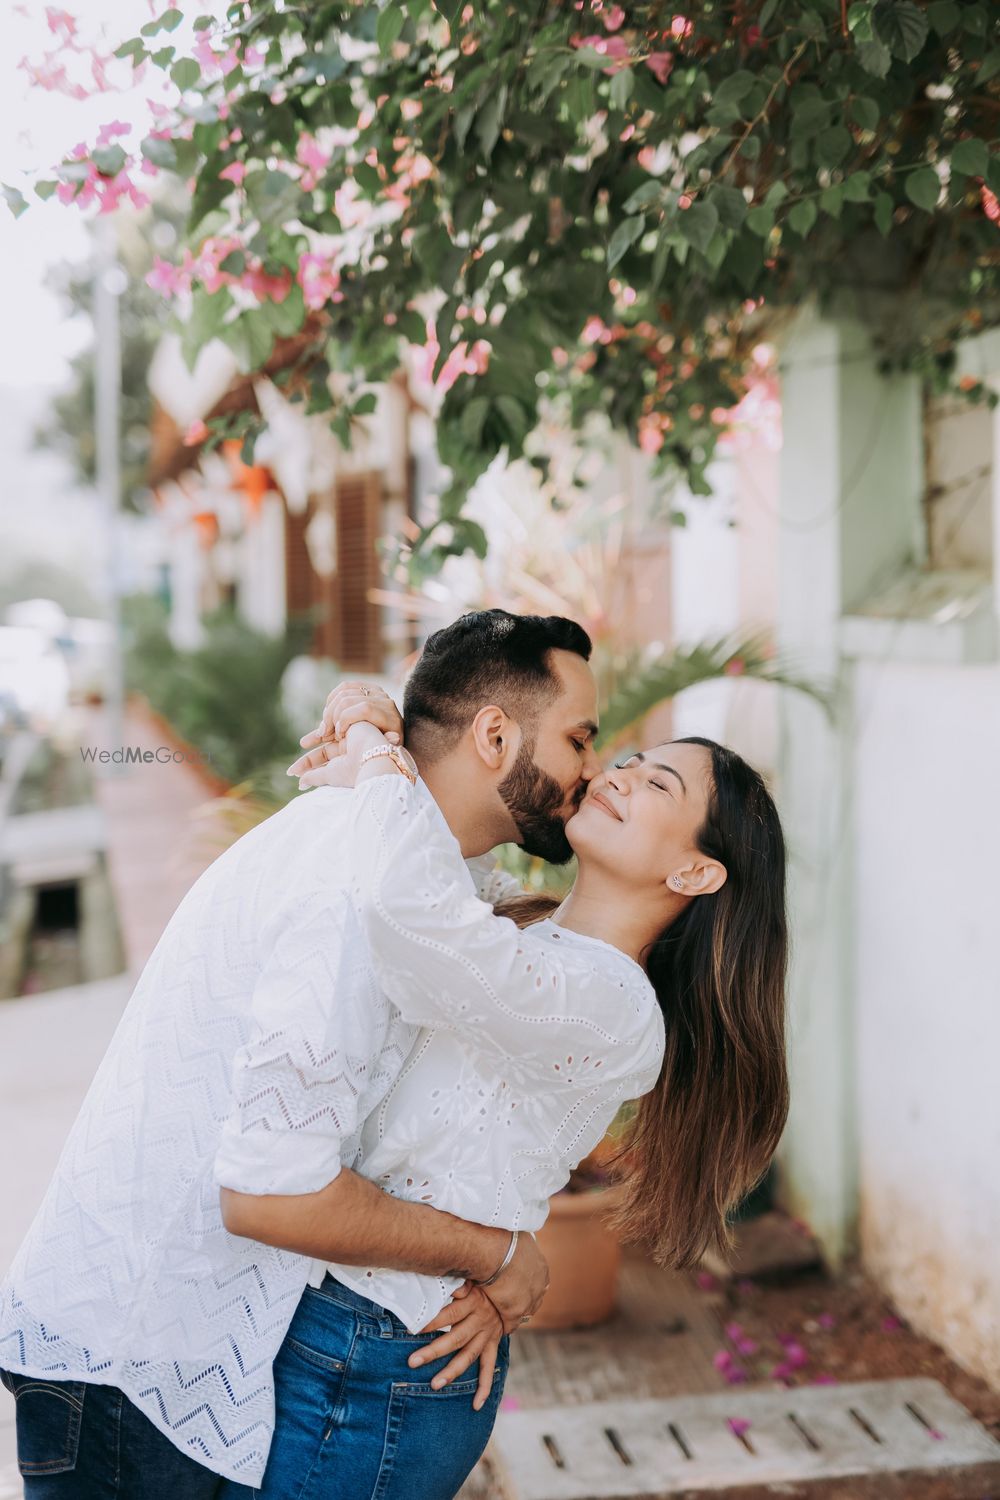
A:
x,y
50,1047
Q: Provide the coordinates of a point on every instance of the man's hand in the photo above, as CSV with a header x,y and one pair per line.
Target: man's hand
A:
x,y
475,1331
352,703
518,1291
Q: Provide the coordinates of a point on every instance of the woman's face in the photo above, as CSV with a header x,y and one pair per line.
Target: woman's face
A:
x,y
640,820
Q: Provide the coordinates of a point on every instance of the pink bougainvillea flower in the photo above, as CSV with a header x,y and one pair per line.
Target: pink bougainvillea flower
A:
x,y
826,1320
646,158
891,1324
319,280
111,131
165,278
660,64
410,108
738,1425
235,172
614,47
991,204
196,433
266,288
681,27
614,19
60,22
253,57
722,1359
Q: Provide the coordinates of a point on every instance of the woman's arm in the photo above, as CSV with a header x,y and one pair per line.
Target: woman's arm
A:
x,y
538,1001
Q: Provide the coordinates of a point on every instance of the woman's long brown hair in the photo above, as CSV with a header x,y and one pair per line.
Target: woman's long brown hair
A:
x,y
705,1135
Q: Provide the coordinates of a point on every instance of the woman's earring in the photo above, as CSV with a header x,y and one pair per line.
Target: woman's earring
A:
x,y
677,882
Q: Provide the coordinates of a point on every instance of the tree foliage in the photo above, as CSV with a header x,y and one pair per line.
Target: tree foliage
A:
x,y
598,204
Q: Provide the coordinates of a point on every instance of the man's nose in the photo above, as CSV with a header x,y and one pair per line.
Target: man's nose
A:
x,y
591,765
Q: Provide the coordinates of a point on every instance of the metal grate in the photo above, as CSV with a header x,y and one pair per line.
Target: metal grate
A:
x,y
810,1438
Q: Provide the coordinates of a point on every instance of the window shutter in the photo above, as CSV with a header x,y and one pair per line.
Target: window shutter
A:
x,y
356,621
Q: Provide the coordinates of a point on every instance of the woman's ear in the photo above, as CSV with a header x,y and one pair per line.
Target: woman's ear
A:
x,y
491,730
701,879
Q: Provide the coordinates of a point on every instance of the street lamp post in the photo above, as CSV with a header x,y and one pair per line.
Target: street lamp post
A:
x,y
109,283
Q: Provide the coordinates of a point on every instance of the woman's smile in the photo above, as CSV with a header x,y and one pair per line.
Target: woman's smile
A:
x,y
599,800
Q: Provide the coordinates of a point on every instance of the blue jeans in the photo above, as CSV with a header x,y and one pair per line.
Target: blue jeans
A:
x,y
355,1422
77,1441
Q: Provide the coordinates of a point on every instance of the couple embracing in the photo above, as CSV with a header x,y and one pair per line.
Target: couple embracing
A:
x,y
291,1231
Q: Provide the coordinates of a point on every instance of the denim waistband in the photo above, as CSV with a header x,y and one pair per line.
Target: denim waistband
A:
x,y
336,1291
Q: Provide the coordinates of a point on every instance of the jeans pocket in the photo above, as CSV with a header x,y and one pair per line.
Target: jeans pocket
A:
x,y
49,1414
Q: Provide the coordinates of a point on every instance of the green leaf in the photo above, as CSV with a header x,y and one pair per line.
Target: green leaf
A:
x,y
831,200
833,145
514,415
944,16
162,153
621,88
810,116
388,27
989,67
875,58
884,208
15,200
645,194
902,26
974,20
751,148
698,224
802,216
287,316
732,206
857,187
760,219
735,88
44,190
923,188
169,21
412,326
776,193
859,21
108,160
767,11
133,49
185,74
865,112
625,235
489,120
970,157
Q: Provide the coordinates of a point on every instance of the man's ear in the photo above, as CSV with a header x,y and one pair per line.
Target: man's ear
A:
x,y
494,736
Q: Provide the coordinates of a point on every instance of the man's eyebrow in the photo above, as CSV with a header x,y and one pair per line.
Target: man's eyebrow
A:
x,y
589,727
658,766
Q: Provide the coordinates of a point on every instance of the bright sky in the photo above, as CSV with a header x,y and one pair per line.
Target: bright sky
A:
x,y
38,128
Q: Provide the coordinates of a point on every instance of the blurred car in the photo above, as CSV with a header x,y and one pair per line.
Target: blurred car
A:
x,y
34,677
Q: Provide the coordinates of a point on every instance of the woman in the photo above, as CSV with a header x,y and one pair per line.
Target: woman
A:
x,y
678,908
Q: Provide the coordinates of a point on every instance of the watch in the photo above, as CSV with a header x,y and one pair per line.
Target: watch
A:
x,y
401,759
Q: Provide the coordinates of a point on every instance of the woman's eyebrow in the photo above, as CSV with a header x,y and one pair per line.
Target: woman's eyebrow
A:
x,y
658,766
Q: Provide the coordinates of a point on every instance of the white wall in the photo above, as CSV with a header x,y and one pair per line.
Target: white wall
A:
x,y
925,786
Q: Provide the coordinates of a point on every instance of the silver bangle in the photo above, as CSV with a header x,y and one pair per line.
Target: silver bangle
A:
x,y
505,1262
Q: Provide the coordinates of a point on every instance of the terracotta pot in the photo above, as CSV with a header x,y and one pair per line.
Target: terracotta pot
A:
x,y
584,1256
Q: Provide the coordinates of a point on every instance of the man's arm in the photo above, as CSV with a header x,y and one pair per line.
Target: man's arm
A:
x,y
353,1222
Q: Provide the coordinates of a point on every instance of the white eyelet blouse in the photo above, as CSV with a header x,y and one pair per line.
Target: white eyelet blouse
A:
x,y
255,1053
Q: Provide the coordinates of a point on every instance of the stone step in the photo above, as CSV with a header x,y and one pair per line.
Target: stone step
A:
x,y
852,1442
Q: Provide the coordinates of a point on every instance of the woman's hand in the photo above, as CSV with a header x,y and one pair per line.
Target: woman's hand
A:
x,y
475,1333
340,761
352,703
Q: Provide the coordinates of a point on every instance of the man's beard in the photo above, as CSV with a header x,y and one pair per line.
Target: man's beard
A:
x,y
534,800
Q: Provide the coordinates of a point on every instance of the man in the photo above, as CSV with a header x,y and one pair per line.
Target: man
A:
x,y
139,1323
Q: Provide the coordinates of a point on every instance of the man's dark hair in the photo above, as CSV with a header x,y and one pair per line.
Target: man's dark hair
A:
x,y
490,656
